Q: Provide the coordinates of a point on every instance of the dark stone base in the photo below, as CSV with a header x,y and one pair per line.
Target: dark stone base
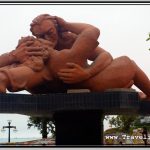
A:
x,y
79,128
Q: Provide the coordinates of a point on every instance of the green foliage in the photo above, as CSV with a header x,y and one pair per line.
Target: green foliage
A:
x,y
138,124
123,122
45,125
148,38
107,117
126,123
111,131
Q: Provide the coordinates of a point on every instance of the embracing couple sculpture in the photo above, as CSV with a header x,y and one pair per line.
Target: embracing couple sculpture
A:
x,y
56,60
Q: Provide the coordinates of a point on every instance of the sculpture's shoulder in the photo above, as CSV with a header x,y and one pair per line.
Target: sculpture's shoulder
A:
x,y
66,40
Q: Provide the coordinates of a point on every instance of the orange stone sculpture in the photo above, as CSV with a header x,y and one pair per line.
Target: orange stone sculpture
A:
x,y
60,61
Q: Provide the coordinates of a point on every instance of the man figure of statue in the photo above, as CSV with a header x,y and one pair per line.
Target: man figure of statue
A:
x,y
74,73
40,27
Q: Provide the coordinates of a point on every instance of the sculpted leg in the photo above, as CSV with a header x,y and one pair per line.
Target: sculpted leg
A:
x,y
119,74
3,82
129,84
22,78
122,72
15,78
141,80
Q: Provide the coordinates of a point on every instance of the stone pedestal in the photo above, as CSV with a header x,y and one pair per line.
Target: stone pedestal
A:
x,y
78,116
79,128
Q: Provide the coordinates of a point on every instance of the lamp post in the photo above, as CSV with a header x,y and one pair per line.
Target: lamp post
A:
x,y
9,127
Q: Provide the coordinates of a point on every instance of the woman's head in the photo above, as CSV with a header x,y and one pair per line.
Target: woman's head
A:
x,y
35,42
46,45
44,26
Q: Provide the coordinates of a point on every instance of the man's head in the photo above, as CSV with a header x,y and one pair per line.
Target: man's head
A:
x,y
44,26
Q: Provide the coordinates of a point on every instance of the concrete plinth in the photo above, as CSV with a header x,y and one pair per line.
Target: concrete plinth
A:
x,y
78,116
79,128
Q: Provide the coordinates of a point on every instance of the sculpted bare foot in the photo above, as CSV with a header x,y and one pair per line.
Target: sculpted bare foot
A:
x,y
2,89
143,96
3,82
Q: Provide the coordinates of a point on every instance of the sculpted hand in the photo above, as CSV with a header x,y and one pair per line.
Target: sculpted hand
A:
x,y
73,73
25,51
61,23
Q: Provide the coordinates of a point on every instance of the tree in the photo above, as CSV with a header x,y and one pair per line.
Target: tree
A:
x,y
138,123
45,125
148,39
126,124
123,122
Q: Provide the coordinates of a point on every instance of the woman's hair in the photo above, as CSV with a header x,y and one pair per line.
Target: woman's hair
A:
x,y
36,42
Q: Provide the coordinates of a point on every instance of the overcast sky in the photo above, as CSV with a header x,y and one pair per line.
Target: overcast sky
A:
x,y
124,30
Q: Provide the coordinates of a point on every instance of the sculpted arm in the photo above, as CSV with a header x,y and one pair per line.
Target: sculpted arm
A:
x,y
6,59
101,59
86,40
99,56
18,54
